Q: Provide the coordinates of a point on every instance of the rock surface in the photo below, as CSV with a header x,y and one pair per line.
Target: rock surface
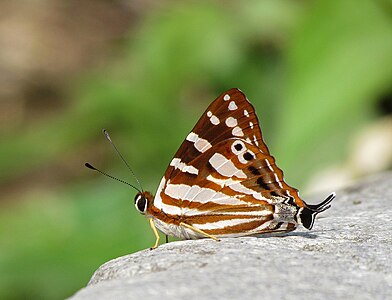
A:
x,y
346,255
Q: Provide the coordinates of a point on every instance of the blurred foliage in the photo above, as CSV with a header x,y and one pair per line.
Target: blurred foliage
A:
x,y
313,70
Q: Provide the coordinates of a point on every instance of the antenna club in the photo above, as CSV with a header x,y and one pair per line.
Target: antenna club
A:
x,y
106,135
90,166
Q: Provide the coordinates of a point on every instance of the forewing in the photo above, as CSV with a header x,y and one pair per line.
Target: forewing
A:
x,y
231,115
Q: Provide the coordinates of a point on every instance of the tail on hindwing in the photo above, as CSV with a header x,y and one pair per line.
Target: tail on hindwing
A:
x,y
307,214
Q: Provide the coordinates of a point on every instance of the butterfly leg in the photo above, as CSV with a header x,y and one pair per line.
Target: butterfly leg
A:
x,y
199,231
154,229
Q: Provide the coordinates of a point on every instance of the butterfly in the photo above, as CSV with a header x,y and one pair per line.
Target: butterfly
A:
x,y
223,181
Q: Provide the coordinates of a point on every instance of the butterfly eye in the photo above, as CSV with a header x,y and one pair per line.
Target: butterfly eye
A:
x,y
141,203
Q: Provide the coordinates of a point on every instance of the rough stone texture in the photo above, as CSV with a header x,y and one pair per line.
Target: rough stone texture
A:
x,y
346,256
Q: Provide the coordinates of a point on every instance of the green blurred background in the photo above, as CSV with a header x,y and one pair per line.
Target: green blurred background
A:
x,y
318,72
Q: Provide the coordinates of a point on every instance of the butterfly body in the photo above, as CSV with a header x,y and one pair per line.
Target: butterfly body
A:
x,y
223,182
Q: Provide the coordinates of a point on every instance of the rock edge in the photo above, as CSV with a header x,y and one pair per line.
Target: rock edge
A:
x,y
346,255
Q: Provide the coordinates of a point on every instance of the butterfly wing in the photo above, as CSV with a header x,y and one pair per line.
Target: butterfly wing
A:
x,y
230,115
223,173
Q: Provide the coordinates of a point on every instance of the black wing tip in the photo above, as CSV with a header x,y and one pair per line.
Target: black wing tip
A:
x,y
308,214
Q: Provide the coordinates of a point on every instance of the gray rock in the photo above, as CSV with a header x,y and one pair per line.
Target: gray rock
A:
x,y
346,255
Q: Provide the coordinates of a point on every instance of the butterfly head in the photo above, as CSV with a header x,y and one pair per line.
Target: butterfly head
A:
x,y
143,201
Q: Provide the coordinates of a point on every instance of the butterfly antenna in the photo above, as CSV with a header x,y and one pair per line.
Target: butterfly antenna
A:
x,y
110,176
122,158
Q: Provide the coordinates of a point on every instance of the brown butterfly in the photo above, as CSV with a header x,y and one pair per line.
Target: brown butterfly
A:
x,y
223,182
